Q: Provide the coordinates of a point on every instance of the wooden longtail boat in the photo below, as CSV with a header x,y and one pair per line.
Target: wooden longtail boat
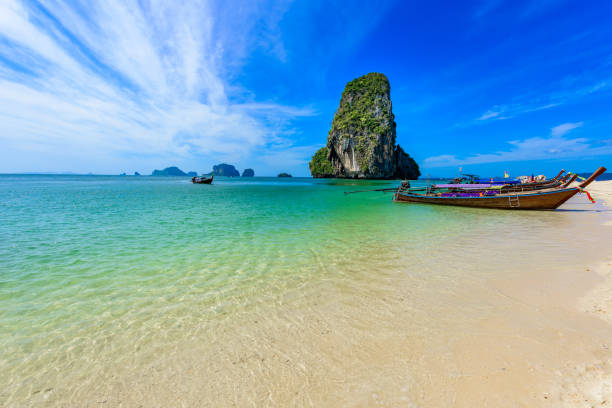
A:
x,y
202,180
545,199
473,179
508,188
536,185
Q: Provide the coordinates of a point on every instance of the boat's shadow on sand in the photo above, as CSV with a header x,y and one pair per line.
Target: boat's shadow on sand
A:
x,y
579,210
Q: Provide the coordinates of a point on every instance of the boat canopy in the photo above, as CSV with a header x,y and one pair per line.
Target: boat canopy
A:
x,y
493,181
468,186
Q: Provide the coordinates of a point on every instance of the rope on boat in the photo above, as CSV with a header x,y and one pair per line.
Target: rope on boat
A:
x,y
589,196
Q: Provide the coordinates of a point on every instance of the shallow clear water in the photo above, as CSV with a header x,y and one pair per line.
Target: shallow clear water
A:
x,y
105,277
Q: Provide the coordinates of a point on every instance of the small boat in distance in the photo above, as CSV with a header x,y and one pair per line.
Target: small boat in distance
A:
x,y
544,199
202,180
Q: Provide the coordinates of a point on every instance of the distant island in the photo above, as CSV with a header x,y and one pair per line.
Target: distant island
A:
x,y
361,141
226,170
136,173
173,171
284,175
223,169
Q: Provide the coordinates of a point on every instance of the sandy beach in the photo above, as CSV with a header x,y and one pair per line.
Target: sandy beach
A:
x,y
590,384
599,300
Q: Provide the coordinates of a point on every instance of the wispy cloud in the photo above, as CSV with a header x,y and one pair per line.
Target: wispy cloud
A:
x,y
556,146
487,6
528,103
530,8
501,112
491,114
102,78
534,7
561,130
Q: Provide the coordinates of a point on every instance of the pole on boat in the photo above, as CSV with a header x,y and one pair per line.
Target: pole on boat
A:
x,y
570,181
367,191
591,179
559,175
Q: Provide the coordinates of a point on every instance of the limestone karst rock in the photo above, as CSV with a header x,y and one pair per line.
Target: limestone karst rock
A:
x,y
169,171
361,141
224,169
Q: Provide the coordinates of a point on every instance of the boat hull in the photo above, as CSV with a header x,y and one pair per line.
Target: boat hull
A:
x,y
200,180
537,200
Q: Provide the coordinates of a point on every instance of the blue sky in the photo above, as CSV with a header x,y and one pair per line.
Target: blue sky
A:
x,y
122,86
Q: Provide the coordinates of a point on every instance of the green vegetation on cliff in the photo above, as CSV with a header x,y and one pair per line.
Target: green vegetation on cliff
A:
x,y
320,166
355,114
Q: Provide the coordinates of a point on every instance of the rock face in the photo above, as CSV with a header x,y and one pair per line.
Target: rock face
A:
x,y
406,168
248,173
226,170
169,171
361,141
319,166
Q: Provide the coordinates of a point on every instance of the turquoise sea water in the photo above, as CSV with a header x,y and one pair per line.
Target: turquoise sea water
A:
x,y
103,272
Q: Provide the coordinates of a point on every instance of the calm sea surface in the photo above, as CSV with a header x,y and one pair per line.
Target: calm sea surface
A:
x,y
110,284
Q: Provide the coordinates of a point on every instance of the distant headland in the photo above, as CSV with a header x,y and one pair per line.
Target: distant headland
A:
x,y
173,171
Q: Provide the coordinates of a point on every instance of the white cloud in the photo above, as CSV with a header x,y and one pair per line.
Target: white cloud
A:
x,y
501,112
107,79
489,115
564,128
536,148
528,103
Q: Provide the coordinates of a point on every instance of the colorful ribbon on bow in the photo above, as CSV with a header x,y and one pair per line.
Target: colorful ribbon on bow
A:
x,y
589,196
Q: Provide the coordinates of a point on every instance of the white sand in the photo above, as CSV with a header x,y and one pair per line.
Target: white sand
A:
x,y
599,300
590,385
602,190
